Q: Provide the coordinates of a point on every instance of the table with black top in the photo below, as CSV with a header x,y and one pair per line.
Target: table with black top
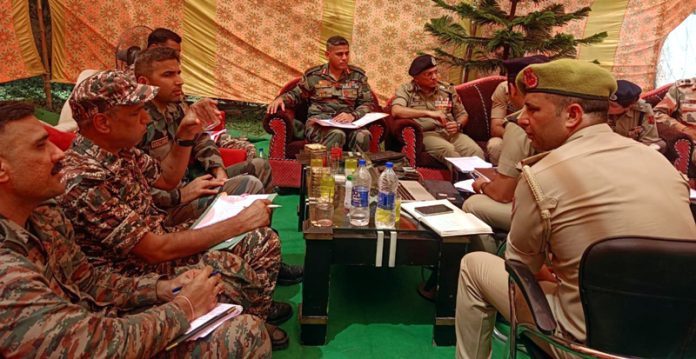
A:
x,y
409,244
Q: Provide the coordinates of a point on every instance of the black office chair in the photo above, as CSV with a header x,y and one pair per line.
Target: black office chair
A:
x,y
638,295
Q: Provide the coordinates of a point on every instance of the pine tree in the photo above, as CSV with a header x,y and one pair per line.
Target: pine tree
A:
x,y
511,35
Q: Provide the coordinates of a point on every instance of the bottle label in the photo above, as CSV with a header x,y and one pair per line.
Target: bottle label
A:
x,y
385,200
360,196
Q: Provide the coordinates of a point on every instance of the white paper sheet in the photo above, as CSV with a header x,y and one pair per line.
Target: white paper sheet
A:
x,y
467,164
206,318
368,118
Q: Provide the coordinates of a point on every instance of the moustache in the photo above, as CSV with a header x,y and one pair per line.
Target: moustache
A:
x,y
56,168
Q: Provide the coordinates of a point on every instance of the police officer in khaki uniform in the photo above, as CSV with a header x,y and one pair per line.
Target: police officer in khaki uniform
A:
x,y
505,100
493,201
632,117
678,109
574,187
437,108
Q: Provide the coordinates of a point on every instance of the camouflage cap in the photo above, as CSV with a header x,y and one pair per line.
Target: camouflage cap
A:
x,y
567,77
107,89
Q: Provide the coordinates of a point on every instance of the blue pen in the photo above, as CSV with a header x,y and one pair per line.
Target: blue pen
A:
x,y
176,290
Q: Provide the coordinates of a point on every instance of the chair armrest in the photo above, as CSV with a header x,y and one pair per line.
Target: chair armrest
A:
x,y
527,283
231,156
679,148
406,136
281,127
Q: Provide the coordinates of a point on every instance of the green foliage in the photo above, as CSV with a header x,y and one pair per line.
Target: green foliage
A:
x,y
511,35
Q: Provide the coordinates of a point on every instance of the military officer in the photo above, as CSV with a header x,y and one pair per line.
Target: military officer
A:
x,y
493,201
505,100
437,108
335,90
678,109
567,199
109,202
632,117
56,304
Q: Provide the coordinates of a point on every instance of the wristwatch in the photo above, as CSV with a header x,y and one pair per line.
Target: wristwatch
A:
x,y
184,143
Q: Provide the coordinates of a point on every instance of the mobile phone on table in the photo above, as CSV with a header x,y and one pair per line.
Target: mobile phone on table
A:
x,y
433,209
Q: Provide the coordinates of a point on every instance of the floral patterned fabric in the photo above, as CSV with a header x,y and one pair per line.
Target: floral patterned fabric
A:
x,y
19,57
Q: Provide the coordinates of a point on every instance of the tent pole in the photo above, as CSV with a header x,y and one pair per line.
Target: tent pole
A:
x,y
44,53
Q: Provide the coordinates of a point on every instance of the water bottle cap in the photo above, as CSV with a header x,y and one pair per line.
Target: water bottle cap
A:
x,y
349,178
390,165
361,162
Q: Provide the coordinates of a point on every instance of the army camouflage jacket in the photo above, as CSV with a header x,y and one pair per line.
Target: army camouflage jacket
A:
x,y
637,123
678,108
328,97
109,201
55,304
159,139
444,98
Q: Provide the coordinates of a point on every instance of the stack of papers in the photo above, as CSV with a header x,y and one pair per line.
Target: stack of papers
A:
x,y
455,223
208,321
224,207
368,118
467,164
465,185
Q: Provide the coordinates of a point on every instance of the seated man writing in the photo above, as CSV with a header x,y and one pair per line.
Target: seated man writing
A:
x,y
110,204
567,199
56,304
335,90
438,110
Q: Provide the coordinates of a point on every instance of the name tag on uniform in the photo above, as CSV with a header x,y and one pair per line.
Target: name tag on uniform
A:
x,y
159,142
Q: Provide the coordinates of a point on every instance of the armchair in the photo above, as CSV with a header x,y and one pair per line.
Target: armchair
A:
x,y
285,143
631,309
679,146
407,137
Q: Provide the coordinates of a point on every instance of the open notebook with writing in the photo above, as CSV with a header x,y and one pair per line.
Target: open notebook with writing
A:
x,y
455,223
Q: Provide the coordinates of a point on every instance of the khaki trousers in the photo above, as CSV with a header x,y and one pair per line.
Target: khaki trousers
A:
x,y
458,145
494,146
496,214
483,291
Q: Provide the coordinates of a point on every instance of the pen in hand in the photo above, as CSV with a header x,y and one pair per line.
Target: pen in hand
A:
x,y
176,290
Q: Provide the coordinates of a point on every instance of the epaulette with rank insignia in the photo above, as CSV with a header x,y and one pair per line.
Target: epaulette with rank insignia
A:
x,y
357,69
313,69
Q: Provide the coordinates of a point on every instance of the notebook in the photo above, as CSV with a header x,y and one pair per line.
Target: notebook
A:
x,y
455,223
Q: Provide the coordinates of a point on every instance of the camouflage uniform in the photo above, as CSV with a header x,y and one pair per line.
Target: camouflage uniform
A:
x,y
110,203
55,304
327,98
678,108
436,141
638,123
252,176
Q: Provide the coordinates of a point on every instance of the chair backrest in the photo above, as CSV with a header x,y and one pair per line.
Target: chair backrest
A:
x,y
653,97
476,97
639,296
61,139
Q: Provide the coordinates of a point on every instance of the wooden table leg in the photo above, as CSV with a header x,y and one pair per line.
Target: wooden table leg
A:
x,y
313,313
447,279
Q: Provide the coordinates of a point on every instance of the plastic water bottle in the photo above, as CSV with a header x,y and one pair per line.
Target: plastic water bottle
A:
x,y
385,214
348,193
360,196
261,155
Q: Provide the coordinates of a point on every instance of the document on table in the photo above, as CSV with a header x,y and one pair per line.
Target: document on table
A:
x,y
368,118
223,207
467,164
455,223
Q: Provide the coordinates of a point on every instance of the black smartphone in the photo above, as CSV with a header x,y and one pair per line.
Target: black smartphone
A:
x,y
434,209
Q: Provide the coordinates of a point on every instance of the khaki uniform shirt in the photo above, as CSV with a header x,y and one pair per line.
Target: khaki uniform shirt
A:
x,y
637,123
328,97
444,98
109,201
500,102
678,107
55,304
516,147
598,179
